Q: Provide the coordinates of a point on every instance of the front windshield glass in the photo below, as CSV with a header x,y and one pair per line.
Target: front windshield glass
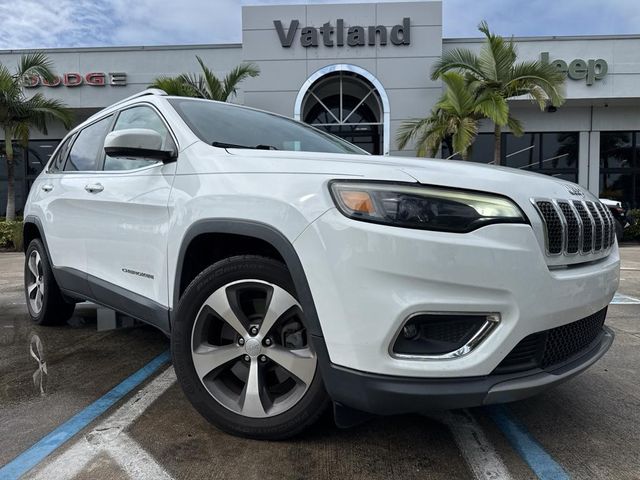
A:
x,y
227,125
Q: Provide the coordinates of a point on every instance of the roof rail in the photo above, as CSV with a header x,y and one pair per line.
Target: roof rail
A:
x,y
148,91
144,93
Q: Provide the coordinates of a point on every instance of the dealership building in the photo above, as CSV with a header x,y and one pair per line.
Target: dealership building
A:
x,y
359,71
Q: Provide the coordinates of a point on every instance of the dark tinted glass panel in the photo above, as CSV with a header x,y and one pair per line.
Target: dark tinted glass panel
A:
x,y
616,149
18,161
482,149
366,137
560,150
232,125
38,155
617,186
87,148
61,155
571,177
522,152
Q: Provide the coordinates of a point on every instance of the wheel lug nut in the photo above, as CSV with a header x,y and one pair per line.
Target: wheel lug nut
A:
x,y
247,358
263,358
241,341
267,342
254,330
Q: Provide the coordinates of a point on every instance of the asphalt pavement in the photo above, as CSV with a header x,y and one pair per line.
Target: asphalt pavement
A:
x,y
587,428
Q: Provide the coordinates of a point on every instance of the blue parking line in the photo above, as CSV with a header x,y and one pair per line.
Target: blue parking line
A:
x,y
37,452
542,464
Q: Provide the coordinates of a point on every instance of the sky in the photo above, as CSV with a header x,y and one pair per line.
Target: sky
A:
x,y
82,23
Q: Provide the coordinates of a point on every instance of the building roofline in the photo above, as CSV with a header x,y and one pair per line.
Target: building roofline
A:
x,y
630,36
127,48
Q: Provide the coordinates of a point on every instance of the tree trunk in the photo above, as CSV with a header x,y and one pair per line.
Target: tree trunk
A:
x,y
497,144
11,194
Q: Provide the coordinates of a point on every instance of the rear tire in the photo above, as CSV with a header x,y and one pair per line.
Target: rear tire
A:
x,y
45,302
236,325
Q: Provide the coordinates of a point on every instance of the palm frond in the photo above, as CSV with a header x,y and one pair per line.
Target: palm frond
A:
x,y
515,126
493,106
175,86
409,129
237,75
526,75
212,84
38,110
458,59
35,63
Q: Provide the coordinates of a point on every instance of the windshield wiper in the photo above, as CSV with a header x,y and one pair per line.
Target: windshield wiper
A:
x,y
233,145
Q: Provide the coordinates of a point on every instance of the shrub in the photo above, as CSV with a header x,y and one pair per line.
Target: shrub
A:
x,y
633,231
11,234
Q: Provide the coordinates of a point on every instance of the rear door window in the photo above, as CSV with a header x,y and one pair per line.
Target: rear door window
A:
x,y
57,164
86,151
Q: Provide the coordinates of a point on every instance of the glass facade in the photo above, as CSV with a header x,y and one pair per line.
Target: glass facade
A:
x,y
550,153
620,167
28,165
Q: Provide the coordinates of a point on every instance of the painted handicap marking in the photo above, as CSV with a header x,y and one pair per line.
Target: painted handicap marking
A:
x,y
109,437
620,299
542,464
63,433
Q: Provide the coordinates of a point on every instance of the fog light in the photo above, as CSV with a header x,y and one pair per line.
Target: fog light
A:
x,y
442,335
410,331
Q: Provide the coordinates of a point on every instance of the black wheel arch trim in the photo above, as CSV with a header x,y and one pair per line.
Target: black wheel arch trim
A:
x,y
259,231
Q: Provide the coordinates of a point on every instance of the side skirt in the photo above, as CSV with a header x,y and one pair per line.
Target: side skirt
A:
x,y
77,284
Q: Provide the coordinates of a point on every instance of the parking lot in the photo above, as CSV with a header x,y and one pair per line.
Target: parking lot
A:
x,y
587,428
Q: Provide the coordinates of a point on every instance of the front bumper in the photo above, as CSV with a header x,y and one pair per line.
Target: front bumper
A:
x,y
390,395
367,279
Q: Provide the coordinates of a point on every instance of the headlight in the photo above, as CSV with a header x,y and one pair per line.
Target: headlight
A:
x,y
424,207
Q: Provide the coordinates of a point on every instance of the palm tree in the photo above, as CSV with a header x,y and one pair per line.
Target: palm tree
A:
x,y
453,121
496,77
18,113
207,84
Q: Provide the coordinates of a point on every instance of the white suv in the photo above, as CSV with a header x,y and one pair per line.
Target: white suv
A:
x,y
292,269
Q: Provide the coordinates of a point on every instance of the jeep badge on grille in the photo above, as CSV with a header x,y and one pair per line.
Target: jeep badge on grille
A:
x,y
574,190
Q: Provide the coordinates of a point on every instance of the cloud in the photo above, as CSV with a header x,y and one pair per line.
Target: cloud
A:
x,y
542,17
73,23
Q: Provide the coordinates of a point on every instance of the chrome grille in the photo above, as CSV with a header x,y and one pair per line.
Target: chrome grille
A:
x,y
577,226
597,239
573,227
587,226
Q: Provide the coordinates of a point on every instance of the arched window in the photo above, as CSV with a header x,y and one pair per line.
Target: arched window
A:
x,y
347,104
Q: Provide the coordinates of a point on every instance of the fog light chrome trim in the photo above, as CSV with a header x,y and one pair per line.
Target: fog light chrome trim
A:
x,y
492,321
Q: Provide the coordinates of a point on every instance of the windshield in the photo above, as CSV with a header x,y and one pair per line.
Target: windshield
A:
x,y
231,126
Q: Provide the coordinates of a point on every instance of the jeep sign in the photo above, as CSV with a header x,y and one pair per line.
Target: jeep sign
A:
x,y
73,79
579,69
356,36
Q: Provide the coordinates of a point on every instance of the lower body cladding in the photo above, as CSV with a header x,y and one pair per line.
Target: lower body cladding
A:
x,y
414,320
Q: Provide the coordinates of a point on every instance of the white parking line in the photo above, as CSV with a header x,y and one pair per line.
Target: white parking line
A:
x,y
620,299
478,452
109,437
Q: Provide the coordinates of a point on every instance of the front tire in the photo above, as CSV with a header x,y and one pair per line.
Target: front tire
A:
x,y
45,303
242,353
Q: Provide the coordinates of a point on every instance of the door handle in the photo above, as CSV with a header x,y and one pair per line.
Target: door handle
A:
x,y
94,188
47,187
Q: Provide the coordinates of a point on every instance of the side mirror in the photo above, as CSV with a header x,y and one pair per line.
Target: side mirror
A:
x,y
137,143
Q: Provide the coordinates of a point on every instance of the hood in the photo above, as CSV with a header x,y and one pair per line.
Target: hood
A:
x,y
517,184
